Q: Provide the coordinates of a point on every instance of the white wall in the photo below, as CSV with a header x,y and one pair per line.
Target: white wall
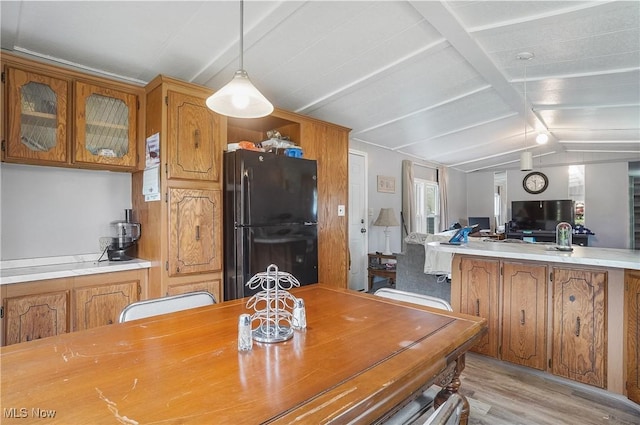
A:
x,y
457,199
607,204
606,198
388,163
51,211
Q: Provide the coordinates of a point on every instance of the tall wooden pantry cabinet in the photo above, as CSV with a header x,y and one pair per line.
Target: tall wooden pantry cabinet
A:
x,y
182,231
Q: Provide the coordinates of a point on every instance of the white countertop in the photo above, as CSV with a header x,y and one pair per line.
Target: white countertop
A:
x,y
588,256
27,270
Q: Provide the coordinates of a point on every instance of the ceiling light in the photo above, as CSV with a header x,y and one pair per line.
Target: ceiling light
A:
x,y
526,161
239,98
542,138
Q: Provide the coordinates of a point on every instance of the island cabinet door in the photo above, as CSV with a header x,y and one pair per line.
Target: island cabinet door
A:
x,y
36,316
579,324
632,283
479,297
524,314
101,304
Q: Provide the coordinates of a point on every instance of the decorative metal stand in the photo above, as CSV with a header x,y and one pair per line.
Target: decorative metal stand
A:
x,y
273,305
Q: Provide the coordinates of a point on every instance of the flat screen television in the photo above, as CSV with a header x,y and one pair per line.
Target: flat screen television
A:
x,y
484,223
541,215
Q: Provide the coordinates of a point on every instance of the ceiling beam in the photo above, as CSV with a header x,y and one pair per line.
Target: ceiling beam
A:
x,y
444,20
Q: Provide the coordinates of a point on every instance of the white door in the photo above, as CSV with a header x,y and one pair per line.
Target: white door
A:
x,y
358,220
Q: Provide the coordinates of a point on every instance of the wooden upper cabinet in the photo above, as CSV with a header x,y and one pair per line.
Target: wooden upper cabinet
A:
x,y
579,325
480,280
101,304
36,316
195,229
105,126
193,130
524,316
37,118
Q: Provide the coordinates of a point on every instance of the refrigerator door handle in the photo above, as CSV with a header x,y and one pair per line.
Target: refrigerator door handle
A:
x,y
245,194
310,223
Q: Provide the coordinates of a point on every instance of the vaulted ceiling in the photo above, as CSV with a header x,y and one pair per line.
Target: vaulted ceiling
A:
x,y
438,81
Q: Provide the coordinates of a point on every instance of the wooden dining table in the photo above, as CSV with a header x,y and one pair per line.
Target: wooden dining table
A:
x,y
360,358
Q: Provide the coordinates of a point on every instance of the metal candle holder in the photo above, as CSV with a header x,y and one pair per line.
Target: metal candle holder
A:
x,y
273,305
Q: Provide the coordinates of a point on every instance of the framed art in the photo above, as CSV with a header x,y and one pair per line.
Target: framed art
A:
x,y
386,184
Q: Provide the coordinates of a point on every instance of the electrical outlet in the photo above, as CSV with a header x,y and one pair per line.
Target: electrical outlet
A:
x,y
104,243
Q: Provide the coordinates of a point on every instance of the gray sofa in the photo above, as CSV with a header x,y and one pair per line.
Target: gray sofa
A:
x,y
410,275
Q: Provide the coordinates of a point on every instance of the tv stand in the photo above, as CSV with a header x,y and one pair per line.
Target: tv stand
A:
x,y
546,236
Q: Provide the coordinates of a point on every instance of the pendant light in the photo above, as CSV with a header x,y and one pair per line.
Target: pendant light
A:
x,y
239,98
526,157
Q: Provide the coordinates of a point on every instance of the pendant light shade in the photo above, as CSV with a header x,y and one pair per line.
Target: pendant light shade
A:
x,y
526,161
239,98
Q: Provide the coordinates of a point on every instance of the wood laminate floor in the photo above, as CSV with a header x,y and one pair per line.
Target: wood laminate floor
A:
x,y
503,394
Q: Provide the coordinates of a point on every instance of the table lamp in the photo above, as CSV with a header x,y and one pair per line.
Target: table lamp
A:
x,y
386,218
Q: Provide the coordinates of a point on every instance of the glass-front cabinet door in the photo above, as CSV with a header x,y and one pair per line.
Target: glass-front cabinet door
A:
x,y
105,127
37,118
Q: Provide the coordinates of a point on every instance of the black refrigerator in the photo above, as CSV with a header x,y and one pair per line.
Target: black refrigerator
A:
x,y
270,217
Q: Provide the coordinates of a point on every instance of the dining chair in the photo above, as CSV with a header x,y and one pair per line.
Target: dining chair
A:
x,y
448,413
410,297
156,306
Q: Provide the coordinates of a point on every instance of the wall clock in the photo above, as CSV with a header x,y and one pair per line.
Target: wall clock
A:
x,y
535,182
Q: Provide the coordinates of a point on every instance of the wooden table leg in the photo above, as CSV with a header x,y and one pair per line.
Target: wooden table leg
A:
x,y
452,387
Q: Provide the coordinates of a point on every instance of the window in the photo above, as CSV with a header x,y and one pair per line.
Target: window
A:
x,y
500,199
576,192
427,206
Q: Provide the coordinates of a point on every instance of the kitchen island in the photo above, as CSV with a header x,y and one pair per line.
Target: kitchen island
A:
x,y
573,314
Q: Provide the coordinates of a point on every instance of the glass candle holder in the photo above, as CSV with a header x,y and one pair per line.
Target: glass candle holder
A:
x,y
563,236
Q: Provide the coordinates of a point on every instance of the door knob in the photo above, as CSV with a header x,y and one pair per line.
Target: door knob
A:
x,y
363,230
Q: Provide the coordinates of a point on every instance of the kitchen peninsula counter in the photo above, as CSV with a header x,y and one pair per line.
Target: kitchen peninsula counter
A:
x,y
45,268
572,314
587,256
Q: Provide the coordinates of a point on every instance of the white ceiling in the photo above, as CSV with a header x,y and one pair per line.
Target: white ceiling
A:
x,y
439,81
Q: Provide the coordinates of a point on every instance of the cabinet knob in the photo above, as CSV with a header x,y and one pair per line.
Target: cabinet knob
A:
x,y
110,322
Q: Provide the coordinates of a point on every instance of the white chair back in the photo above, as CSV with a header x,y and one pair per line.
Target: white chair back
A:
x,y
156,306
448,413
411,297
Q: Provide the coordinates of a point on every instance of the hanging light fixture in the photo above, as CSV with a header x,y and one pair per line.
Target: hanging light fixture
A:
x,y
239,98
526,157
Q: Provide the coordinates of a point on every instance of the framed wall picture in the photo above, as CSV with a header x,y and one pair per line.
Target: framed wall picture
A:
x,y
386,184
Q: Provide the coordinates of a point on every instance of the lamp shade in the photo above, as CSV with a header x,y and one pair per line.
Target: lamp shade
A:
x,y
526,161
240,99
387,217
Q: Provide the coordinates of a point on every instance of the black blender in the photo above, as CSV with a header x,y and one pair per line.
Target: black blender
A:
x,y
124,235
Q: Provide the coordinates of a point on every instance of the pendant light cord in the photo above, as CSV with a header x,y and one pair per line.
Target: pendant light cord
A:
x,y
524,109
241,33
